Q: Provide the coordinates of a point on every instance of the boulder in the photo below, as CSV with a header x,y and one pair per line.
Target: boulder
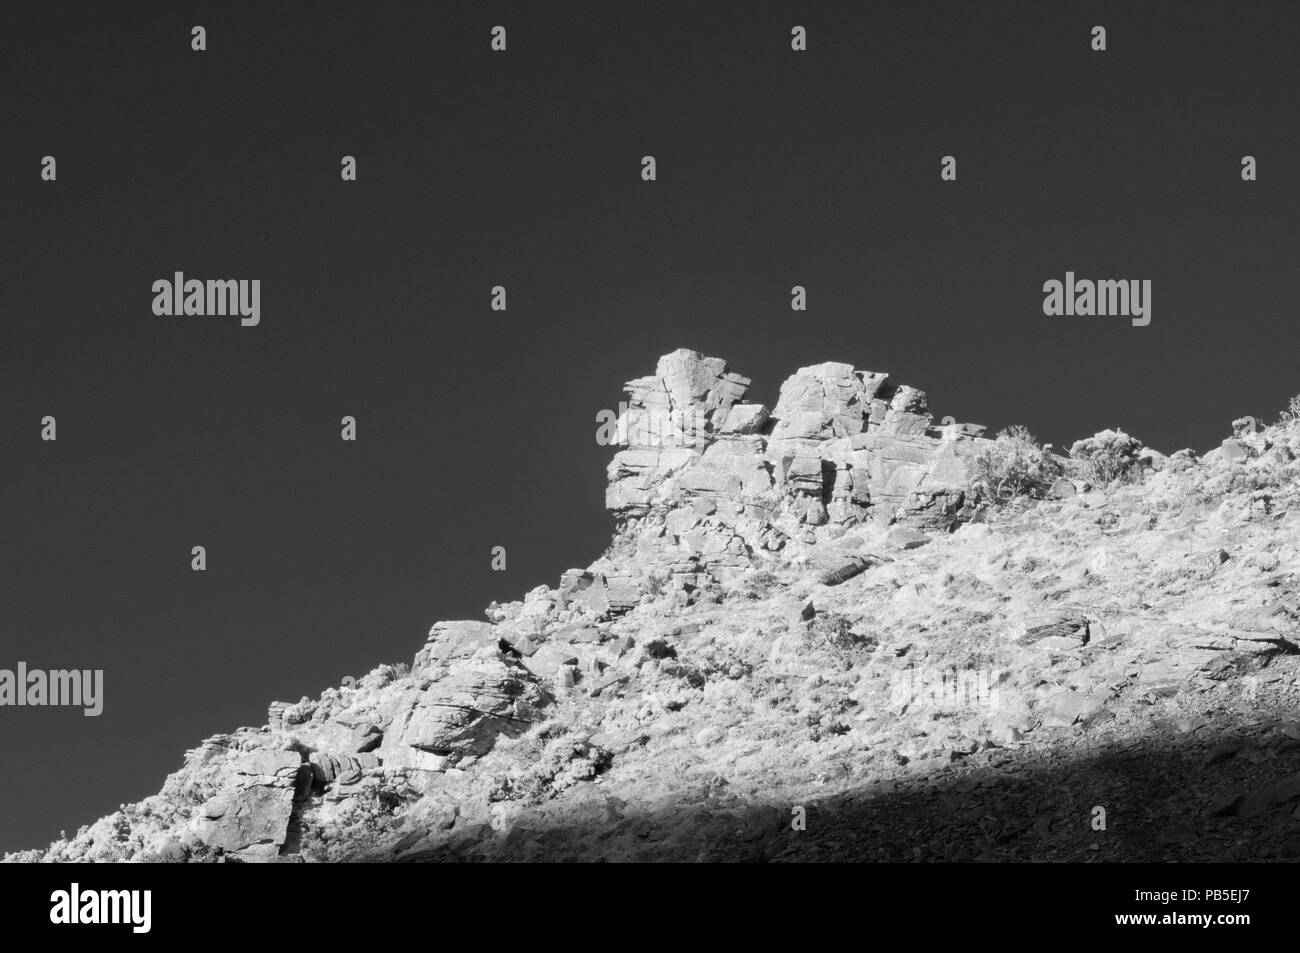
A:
x,y
248,818
462,714
455,640
1062,634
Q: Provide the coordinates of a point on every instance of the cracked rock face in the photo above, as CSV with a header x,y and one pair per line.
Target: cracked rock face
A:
x,y
248,819
461,713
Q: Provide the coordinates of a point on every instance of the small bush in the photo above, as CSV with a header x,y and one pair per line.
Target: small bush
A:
x,y
1291,415
301,713
1107,456
835,629
1015,465
689,674
554,763
622,547
658,649
655,583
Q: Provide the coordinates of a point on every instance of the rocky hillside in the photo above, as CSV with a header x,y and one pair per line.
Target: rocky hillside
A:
x,y
833,630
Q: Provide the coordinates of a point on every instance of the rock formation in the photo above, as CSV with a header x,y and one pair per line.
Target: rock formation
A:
x,y
822,605
842,447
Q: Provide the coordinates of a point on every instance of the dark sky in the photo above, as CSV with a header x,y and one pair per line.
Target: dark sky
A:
x,y
476,428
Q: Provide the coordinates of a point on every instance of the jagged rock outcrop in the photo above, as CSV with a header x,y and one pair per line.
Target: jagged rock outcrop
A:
x,y
723,480
841,447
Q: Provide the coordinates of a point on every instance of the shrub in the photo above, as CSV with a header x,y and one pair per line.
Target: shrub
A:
x,y
1014,465
301,713
658,649
756,585
1107,456
1292,413
621,547
690,674
554,763
656,583
836,629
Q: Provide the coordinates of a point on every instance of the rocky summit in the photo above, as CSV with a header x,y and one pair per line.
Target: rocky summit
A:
x,y
829,630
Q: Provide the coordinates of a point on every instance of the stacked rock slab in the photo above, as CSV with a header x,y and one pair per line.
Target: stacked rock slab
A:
x,y
842,446
248,818
667,424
